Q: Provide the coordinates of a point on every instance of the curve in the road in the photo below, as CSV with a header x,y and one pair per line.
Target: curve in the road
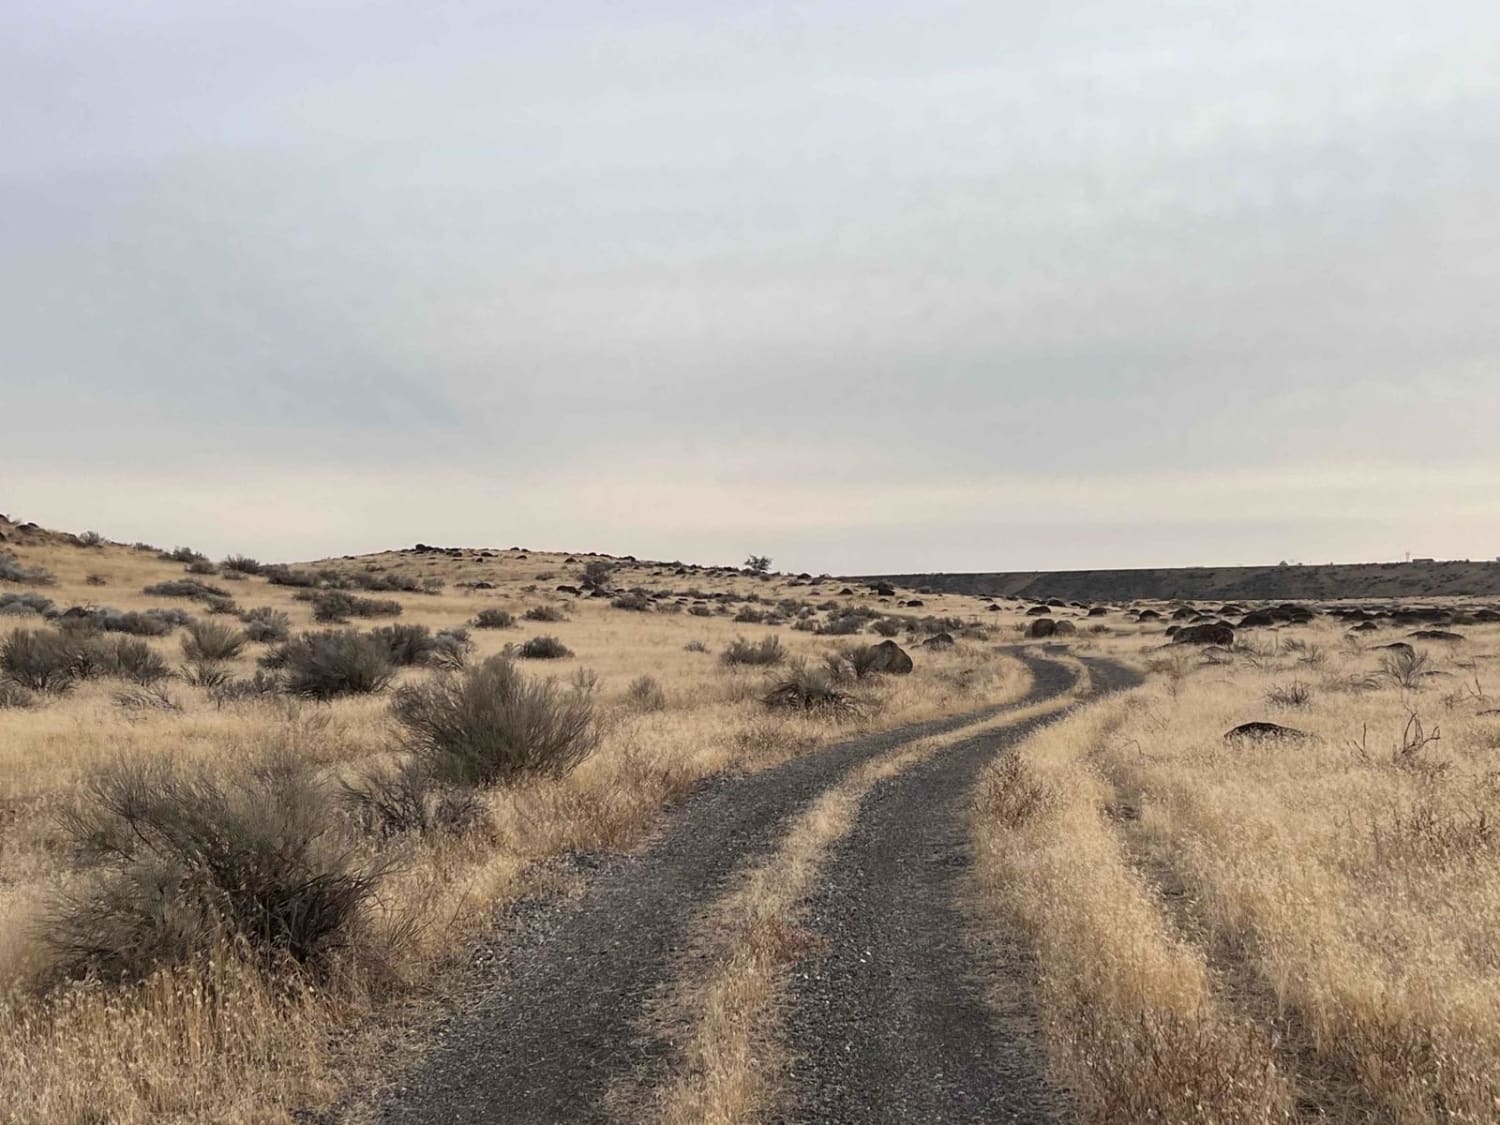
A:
x,y
558,1026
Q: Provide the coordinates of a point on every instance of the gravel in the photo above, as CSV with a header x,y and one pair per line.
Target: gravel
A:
x,y
891,1022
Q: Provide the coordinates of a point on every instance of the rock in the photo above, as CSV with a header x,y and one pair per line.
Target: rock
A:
x,y
942,640
1098,611
1208,634
891,658
1398,646
884,590
1149,615
1365,627
1258,619
993,609
1260,731
1437,635
1064,629
914,603
566,589
1038,611
1041,627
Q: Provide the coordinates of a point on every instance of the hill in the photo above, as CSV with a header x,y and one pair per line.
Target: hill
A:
x,y
1341,580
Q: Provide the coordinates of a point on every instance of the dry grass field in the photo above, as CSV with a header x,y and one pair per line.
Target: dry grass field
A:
x,y
1283,928
238,862
212,889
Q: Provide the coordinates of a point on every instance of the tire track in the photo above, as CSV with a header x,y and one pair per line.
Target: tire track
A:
x,y
892,1022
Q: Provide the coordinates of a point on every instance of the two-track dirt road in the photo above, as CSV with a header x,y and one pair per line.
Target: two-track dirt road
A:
x,y
888,1023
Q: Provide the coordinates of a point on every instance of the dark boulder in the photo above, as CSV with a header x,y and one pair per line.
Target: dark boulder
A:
x,y
891,658
941,640
1041,627
1261,732
1258,619
1038,611
1098,611
1437,635
1064,629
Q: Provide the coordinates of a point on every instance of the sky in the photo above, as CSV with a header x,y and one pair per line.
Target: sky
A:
x,y
867,287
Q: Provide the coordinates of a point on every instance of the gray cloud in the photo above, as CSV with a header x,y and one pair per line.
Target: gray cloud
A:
x,y
912,258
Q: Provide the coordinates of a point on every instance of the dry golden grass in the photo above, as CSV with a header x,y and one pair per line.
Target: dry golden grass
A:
x,y
1266,930
221,1040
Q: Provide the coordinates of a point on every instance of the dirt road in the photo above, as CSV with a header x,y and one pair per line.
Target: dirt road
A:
x,y
888,1025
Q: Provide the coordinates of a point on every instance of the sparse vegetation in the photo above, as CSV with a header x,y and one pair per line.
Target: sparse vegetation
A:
x,y
1118,829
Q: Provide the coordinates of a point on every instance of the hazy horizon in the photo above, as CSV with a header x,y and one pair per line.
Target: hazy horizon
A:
x,y
867,288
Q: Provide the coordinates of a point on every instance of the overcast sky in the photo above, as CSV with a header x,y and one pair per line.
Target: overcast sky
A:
x,y
866,286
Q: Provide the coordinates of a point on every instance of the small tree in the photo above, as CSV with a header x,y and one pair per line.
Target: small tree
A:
x,y
761,564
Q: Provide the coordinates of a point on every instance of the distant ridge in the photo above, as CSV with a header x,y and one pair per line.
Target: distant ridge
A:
x,y
1310,583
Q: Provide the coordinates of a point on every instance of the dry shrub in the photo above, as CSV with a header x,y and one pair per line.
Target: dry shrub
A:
x,y
494,619
1407,667
408,799
212,641
762,653
645,694
146,699
266,625
185,859
242,564
132,659
185,588
1294,694
545,648
13,570
333,663
545,613
335,607
811,690
13,695
42,660
492,724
